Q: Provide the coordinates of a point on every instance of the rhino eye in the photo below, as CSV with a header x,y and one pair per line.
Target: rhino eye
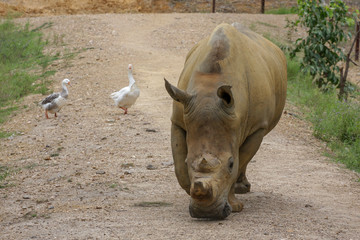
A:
x,y
231,163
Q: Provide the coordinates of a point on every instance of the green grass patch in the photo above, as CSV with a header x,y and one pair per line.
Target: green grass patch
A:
x,y
23,64
4,172
267,24
335,122
282,10
5,134
6,111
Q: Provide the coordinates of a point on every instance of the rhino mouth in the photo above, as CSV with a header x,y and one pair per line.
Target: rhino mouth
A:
x,y
217,212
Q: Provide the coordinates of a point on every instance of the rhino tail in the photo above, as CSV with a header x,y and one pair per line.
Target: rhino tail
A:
x,y
219,50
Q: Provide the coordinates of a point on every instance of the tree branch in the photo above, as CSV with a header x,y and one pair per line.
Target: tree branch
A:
x,y
354,62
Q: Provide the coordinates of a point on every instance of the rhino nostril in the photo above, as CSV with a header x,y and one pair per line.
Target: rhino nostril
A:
x,y
199,188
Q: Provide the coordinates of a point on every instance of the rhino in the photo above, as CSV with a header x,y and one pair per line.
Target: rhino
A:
x,y
230,94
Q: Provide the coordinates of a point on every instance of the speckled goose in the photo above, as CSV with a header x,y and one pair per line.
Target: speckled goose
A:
x,y
54,102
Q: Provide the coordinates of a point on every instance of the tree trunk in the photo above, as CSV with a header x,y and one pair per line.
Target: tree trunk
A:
x,y
262,6
213,6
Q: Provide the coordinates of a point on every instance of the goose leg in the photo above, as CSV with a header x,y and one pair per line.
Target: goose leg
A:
x,y
46,114
125,109
55,115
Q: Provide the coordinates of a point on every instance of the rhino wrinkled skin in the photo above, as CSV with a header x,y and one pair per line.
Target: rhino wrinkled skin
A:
x,y
230,94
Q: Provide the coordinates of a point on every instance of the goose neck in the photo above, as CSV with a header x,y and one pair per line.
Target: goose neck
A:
x,y
131,78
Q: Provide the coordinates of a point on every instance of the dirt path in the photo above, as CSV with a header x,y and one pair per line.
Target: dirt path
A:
x,y
86,174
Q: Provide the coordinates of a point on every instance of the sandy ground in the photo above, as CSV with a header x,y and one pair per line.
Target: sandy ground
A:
x,y
94,173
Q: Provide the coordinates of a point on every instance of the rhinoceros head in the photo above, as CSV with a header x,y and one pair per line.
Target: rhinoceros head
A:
x,y
212,152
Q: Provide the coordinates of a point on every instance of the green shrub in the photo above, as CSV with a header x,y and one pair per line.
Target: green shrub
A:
x,y
321,48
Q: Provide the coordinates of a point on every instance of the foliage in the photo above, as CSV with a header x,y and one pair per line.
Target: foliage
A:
x,y
325,31
335,122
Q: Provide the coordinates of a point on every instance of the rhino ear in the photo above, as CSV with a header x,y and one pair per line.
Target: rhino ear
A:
x,y
177,94
225,94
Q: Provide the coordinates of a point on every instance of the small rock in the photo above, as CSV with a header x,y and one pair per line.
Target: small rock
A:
x,y
100,172
127,165
47,158
110,120
167,164
150,130
150,167
51,207
258,194
26,197
307,205
98,207
127,172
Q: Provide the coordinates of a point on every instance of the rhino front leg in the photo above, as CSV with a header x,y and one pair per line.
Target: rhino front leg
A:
x,y
179,152
246,153
236,204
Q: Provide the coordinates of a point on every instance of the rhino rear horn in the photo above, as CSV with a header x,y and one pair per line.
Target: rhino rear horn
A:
x,y
225,94
176,93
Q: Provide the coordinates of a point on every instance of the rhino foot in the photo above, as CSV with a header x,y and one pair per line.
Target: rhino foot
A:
x,y
236,205
242,185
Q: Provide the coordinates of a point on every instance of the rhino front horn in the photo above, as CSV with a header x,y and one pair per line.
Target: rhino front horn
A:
x,y
176,93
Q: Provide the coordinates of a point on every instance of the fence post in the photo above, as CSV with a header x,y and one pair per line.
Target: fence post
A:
x,y
213,6
357,41
262,6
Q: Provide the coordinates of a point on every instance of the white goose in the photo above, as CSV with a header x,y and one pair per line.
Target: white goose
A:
x,y
127,96
55,101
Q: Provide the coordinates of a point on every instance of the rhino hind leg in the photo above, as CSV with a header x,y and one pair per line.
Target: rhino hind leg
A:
x,y
179,152
242,185
246,153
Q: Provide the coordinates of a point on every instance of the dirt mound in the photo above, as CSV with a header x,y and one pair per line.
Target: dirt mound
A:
x,y
45,7
53,7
